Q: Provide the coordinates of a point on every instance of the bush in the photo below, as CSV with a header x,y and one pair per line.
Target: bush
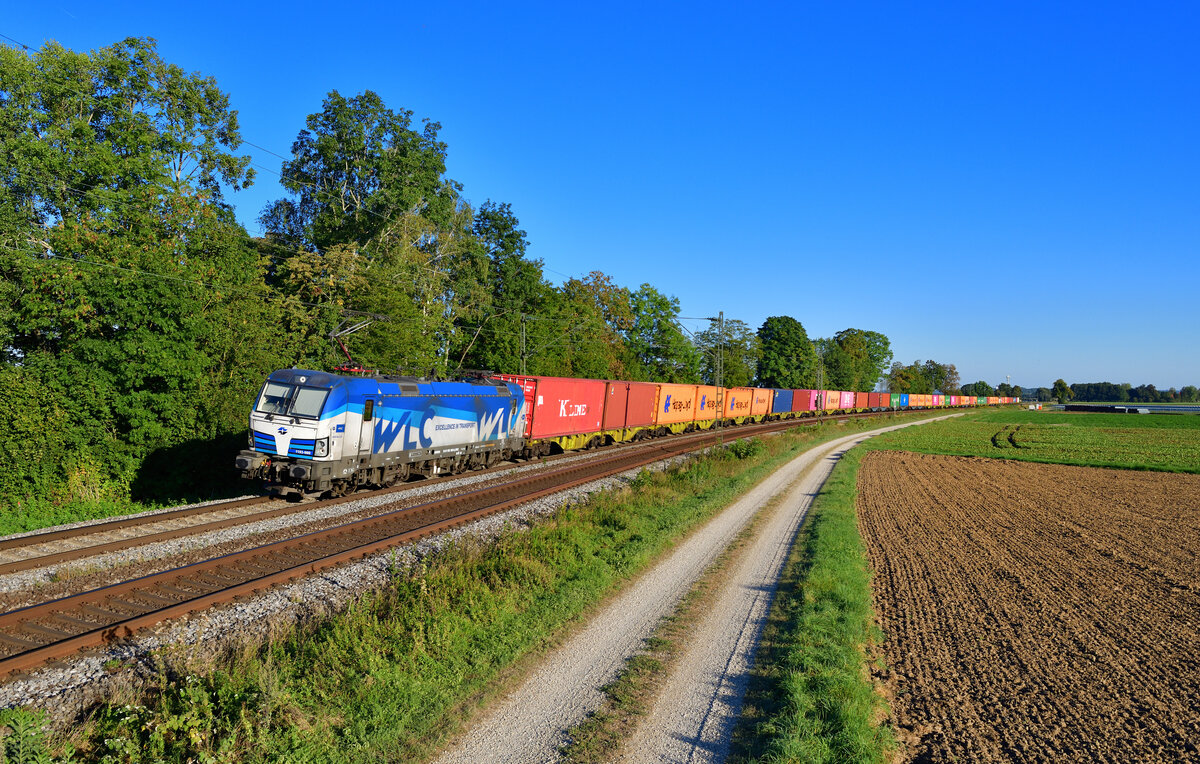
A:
x,y
744,449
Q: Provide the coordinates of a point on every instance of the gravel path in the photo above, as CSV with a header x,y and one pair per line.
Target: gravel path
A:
x,y
693,717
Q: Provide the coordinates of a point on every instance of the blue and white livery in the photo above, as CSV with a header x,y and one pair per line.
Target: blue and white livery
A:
x,y
315,432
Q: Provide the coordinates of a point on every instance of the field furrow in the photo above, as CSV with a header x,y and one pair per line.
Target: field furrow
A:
x,y
1036,612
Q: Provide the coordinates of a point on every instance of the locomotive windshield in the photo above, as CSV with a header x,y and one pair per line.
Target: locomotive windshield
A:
x,y
291,400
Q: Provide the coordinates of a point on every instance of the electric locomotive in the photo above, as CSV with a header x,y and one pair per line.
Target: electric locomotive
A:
x,y
316,432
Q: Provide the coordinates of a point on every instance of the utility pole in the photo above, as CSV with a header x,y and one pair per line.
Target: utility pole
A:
x,y
523,344
720,372
820,384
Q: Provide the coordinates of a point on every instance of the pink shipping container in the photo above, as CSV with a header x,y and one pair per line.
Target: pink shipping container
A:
x,y
937,400
629,404
762,401
847,400
557,406
738,402
804,400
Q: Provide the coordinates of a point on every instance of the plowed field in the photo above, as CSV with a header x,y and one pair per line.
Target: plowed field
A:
x,y
1036,612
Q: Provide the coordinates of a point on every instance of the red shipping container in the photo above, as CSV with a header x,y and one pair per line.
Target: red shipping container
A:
x,y
762,401
557,406
861,401
738,402
804,400
629,404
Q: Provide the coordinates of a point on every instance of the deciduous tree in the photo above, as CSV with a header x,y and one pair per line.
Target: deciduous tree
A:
x,y
788,359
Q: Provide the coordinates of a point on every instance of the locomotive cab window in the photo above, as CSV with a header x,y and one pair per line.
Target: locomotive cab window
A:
x,y
274,398
291,400
308,402
368,409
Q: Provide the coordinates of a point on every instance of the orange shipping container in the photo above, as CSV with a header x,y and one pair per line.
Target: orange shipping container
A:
x,y
860,401
708,402
762,401
738,401
676,403
833,399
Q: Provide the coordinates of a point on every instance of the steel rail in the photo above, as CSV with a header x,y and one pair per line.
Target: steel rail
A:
x,y
91,550
35,634
123,522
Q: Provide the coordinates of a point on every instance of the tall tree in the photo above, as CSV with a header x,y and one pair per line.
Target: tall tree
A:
x,y
840,370
366,183
736,351
788,359
131,271
1061,391
867,355
516,289
979,388
663,354
594,317
943,377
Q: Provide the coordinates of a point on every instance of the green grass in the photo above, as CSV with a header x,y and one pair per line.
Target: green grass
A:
x,y
394,676
1127,441
810,697
24,515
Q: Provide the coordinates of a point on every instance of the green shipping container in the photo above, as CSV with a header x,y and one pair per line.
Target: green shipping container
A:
x,y
895,403
981,400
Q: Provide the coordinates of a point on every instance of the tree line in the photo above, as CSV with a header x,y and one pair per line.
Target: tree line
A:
x,y
138,318
1109,392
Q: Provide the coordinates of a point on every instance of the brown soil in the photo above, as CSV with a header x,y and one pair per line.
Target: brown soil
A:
x,y
1035,612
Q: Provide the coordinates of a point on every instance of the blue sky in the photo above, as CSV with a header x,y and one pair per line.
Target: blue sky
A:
x,y
1010,188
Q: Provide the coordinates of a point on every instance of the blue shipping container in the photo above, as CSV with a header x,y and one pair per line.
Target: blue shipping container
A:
x,y
903,400
783,402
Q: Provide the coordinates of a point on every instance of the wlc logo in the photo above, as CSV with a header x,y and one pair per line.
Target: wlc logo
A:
x,y
282,431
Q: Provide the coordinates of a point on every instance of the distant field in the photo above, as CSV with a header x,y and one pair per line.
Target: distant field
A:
x,y
1150,442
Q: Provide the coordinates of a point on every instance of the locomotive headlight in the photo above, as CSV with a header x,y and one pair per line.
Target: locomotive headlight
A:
x,y
321,447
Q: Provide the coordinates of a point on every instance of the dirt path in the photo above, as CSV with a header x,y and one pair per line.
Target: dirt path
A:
x,y
1036,612
693,718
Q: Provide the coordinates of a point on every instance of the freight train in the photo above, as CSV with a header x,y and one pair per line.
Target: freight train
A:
x,y
317,432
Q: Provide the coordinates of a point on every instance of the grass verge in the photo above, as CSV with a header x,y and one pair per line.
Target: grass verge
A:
x,y
810,698
399,672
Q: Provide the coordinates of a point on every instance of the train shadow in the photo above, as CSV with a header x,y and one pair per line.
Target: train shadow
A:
x,y
193,471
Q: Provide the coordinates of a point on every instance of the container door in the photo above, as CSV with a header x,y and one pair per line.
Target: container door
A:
x,y
366,434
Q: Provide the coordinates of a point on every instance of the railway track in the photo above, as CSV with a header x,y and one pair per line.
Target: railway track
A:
x,y
33,635
40,550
